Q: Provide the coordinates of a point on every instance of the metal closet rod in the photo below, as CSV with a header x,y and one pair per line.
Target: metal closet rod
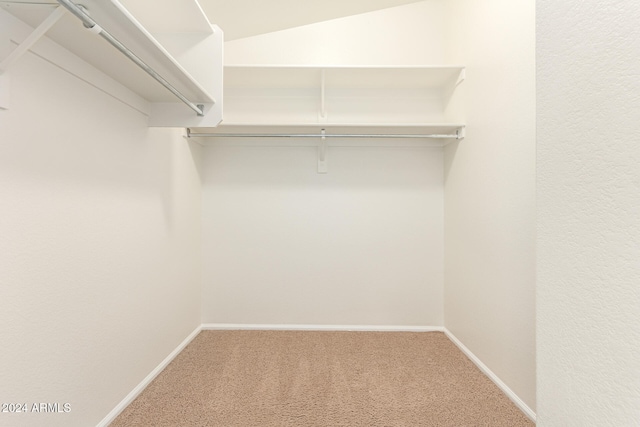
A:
x,y
95,28
318,135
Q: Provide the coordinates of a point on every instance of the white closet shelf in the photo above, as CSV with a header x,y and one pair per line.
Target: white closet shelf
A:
x,y
169,59
339,76
397,99
384,128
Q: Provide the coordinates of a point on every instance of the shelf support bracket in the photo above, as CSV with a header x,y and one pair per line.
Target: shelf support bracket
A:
x,y
323,105
31,39
462,76
20,50
322,153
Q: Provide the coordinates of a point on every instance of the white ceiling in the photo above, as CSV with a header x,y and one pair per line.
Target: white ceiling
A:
x,y
245,18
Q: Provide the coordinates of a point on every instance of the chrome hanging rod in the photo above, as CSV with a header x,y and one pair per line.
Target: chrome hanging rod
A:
x,y
95,28
318,135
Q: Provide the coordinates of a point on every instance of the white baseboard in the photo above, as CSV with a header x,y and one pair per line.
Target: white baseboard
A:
x,y
493,377
293,327
145,382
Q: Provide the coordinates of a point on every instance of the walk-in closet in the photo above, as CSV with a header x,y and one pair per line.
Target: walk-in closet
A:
x,y
344,202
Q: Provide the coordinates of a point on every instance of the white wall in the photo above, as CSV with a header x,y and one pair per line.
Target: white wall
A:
x,y
361,245
490,191
588,90
413,34
100,248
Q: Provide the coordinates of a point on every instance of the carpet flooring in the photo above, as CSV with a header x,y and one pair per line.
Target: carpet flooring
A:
x,y
294,378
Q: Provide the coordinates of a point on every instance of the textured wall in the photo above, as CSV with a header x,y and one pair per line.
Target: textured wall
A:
x,y
490,190
99,247
588,317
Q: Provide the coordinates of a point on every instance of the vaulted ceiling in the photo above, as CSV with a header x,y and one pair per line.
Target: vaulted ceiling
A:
x,y
245,18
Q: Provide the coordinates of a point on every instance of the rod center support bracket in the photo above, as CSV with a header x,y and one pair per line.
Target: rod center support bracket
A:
x,y
31,39
322,153
13,55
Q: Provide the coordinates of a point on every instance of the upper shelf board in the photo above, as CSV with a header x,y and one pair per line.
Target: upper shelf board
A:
x,y
335,128
339,77
114,18
166,16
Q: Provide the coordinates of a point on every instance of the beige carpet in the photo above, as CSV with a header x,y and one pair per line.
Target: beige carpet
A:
x,y
259,378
